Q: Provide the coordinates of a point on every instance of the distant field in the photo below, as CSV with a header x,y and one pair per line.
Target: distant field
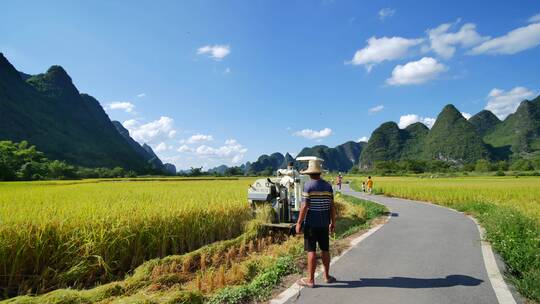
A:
x,y
522,193
77,233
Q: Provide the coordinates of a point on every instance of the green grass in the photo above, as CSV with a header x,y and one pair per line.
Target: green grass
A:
x,y
261,287
507,207
350,224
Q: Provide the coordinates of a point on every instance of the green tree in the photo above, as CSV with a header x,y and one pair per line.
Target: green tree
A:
x,y
468,167
118,172
268,171
439,166
354,170
234,171
196,171
482,165
416,166
502,165
19,160
32,171
61,170
522,165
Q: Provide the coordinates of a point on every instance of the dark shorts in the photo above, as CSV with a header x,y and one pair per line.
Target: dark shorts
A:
x,y
314,235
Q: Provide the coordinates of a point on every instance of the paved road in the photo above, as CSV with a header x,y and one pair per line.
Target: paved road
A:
x,y
424,254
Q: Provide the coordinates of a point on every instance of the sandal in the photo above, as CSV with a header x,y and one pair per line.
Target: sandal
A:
x,y
330,279
304,283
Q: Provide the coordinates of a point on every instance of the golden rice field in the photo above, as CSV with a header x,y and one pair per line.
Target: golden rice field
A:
x,y
238,270
522,193
55,234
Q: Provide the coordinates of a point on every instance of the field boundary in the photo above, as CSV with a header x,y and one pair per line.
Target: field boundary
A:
x,y
502,291
295,289
496,279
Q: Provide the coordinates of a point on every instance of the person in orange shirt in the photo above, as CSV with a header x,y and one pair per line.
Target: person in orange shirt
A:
x,y
369,184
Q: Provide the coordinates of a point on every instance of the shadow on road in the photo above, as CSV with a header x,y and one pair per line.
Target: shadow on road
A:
x,y
403,282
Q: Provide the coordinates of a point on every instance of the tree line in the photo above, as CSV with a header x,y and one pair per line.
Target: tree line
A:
x,y
22,161
438,166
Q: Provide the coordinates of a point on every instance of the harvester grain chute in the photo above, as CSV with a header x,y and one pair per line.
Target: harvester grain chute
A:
x,y
283,193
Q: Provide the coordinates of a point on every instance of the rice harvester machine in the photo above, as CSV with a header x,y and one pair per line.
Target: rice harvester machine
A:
x,y
283,193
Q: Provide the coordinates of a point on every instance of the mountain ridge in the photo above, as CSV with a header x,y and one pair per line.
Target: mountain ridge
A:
x,y
48,111
520,130
453,138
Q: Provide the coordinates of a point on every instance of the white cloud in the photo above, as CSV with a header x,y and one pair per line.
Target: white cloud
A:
x,y
502,103
184,148
216,52
142,95
381,49
130,124
416,72
313,134
197,138
232,150
152,131
535,18
121,105
386,13
161,147
444,42
409,119
230,153
428,121
363,138
376,109
515,41
466,115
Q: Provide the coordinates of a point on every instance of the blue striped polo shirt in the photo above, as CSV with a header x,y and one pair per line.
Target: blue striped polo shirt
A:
x,y
318,195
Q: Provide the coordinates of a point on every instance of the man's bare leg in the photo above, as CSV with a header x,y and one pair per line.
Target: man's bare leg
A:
x,y
312,264
326,264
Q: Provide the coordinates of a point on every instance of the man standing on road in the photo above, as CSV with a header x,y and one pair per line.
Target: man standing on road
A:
x,y
318,214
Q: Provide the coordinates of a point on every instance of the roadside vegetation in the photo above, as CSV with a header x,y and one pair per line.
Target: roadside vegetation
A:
x,y
238,270
507,207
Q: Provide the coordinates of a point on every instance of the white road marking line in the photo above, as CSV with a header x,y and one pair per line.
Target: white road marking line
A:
x,y
504,296
295,289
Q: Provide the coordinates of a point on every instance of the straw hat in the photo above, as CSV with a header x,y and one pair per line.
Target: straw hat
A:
x,y
314,167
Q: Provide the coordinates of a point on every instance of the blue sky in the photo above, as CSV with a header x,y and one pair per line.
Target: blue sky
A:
x,y
222,82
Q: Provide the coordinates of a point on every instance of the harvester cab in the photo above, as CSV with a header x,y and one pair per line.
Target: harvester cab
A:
x,y
283,193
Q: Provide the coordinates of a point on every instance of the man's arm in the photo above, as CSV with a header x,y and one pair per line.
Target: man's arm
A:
x,y
301,217
303,212
332,226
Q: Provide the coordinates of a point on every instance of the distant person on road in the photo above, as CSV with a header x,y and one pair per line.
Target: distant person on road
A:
x,y
363,186
318,216
339,180
369,185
